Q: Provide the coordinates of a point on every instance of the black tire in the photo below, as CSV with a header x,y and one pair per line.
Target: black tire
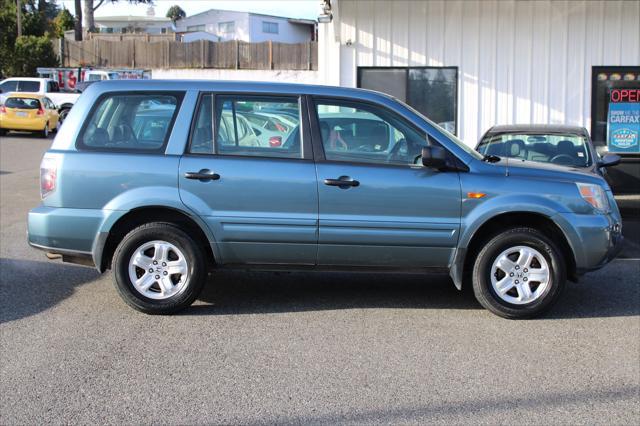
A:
x,y
197,268
45,132
481,276
63,115
3,132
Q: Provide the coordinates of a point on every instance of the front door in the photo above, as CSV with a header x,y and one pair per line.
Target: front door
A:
x,y
250,176
379,207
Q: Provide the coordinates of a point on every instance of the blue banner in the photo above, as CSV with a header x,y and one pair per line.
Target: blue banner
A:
x,y
623,127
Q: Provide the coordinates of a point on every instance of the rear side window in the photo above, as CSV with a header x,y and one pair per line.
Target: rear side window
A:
x,y
22,103
28,86
248,126
130,122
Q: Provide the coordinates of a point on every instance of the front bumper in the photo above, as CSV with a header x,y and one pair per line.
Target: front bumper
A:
x,y
595,239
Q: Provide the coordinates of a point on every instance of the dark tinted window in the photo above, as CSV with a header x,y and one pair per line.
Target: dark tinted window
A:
x,y
22,103
28,86
430,90
604,81
131,122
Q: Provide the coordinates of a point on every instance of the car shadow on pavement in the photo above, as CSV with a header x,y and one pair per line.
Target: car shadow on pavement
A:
x,y
29,135
28,287
240,292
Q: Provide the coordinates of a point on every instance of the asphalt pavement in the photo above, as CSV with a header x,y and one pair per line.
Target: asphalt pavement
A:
x,y
302,347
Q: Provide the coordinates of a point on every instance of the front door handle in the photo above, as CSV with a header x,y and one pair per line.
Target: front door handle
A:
x,y
342,182
203,175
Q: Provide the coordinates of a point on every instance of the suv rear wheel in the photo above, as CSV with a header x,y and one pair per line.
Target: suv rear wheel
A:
x,y
519,273
159,269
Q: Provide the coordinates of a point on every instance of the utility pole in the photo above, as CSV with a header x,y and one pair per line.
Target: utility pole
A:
x,y
19,16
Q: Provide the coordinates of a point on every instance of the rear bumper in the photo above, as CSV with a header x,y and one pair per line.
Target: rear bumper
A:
x,y
69,233
30,124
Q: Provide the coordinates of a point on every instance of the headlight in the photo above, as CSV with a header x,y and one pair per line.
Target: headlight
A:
x,y
594,195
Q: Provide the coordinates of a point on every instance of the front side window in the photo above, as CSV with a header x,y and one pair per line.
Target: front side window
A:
x,y
270,27
137,122
248,126
557,148
367,134
28,86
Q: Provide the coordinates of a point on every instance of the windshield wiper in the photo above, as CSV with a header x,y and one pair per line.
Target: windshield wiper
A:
x,y
491,158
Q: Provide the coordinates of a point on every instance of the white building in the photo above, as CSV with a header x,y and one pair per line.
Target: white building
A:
x,y
480,63
250,27
133,24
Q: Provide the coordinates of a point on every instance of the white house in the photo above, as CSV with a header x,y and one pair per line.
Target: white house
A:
x,y
250,27
133,24
473,64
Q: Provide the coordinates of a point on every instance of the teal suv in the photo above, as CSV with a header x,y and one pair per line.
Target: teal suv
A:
x,y
162,181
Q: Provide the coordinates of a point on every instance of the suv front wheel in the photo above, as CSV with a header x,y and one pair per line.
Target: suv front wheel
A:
x,y
519,273
159,269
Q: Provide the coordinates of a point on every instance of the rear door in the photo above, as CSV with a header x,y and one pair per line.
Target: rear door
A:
x,y
379,207
259,200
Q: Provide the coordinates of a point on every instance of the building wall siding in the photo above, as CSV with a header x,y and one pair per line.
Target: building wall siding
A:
x,y
519,61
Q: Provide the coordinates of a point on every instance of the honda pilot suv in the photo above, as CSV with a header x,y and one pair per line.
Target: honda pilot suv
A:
x,y
163,181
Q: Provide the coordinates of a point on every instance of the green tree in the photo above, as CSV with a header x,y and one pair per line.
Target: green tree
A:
x,y
37,26
30,53
63,22
175,13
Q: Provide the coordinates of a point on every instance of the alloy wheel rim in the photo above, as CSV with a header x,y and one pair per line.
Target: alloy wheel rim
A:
x,y
158,270
520,275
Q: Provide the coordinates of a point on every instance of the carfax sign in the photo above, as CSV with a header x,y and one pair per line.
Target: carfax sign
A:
x,y
623,122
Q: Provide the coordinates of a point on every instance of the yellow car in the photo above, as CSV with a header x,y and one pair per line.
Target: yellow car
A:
x,y
28,112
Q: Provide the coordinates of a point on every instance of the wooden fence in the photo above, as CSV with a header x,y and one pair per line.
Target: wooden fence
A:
x,y
140,53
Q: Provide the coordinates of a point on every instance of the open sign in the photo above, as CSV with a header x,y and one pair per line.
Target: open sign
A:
x,y
624,95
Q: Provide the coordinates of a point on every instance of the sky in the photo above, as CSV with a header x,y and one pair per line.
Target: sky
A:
x,y
308,9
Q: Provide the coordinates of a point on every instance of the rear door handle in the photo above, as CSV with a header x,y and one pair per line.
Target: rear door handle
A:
x,y
343,182
203,175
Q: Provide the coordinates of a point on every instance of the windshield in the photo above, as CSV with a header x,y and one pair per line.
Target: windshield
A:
x,y
448,134
556,148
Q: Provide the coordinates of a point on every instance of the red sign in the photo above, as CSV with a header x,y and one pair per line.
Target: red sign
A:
x,y
624,95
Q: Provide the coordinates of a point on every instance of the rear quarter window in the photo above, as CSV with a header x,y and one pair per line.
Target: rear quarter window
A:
x,y
130,122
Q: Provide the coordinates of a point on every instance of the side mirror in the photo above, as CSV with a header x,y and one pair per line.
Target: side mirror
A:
x,y
434,157
609,160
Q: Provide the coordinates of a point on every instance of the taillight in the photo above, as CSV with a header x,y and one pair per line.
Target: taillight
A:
x,y
3,110
40,111
48,176
275,141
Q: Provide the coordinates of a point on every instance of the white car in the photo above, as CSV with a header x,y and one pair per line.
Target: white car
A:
x,y
42,86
